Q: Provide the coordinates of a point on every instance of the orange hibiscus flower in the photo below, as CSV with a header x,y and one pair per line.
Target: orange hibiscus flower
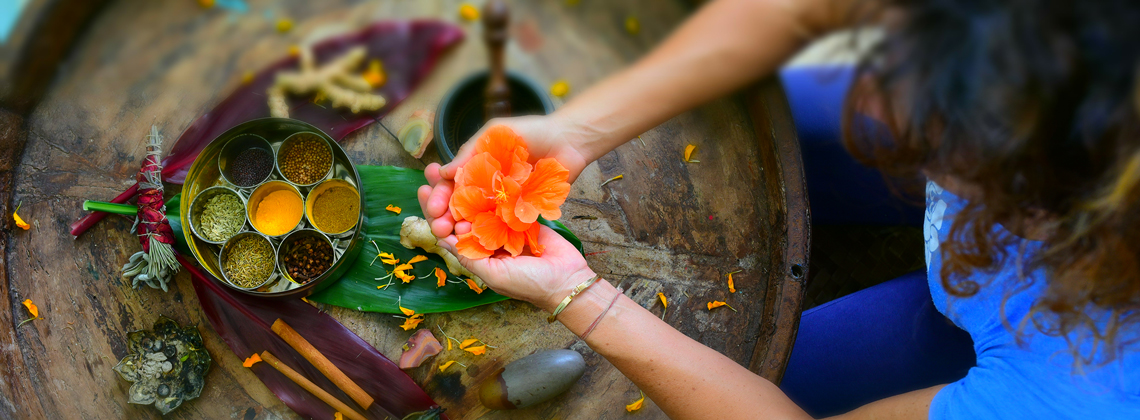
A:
x,y
502,195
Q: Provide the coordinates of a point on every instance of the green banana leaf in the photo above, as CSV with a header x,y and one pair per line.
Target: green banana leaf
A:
x,y
384,185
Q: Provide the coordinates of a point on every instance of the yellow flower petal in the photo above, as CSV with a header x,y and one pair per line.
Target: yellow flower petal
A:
x,y
477,350
731,285
689,152
338,416
636,405
468,12
284,25
19,221
251,360
375,75
716,304
206,4
412,321
393,209
632,25
446,365
468,342
417,259
32,309
409,312
664,302
560,88
294,50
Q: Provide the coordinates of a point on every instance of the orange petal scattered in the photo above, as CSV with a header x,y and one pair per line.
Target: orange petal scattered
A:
x,y
401,272
446,365
412,321
294,50
32,309
407,311
441,277
689,152
417,259
664,302
731,285
251,360
477,350
468,12
468,342
338,416
392,208
471,284
19,221
636,405
716,304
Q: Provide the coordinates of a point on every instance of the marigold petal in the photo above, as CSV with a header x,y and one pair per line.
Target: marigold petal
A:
x,y
731,285
406,311
412,322
468,201
441,277
468,342
446,365
417,258
251,360
469,246
20,221
543,192
471,284
338,416
636,405
392,208
689,152
664,302
715,304
32,309
477,350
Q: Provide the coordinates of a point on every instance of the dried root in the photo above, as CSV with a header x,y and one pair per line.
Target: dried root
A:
x,y
335,80
416,135
416,232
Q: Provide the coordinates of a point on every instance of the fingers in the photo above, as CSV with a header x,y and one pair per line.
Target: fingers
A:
x,y
443,226
422,194
431,172
437,201
462,227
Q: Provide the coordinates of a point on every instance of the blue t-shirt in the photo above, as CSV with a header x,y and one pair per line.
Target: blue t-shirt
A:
x,y
1035,379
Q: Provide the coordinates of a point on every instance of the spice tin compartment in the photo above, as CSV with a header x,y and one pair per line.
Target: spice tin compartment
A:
x,y
205,173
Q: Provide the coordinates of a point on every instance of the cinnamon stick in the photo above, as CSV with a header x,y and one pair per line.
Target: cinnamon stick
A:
x,y
304,382
322,363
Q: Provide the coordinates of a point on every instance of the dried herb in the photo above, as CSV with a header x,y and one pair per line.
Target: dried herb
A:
x,y
249,261
167,365
223,216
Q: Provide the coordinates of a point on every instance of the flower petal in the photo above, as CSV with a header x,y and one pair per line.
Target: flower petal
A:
x,y
508,149
494,233
468,246
532,240
468,201
479,171
543,192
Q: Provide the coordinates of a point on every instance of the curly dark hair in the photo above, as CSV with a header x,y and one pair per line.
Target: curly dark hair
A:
x,y
1034,105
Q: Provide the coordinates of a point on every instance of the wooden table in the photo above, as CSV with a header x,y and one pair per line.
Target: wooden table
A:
x,y
667,227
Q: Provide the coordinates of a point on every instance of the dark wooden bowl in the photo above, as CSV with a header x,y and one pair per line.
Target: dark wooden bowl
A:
x,y
460,113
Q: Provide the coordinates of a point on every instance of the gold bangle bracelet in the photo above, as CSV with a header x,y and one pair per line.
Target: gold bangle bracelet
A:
x,y
573,292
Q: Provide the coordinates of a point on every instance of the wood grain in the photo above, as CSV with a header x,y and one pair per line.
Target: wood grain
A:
x,y
668,226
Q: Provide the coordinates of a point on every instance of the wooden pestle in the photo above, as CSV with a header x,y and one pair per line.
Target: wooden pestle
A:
x,y
322,363
497,96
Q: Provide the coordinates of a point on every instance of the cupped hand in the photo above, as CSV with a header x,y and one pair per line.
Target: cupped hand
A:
x,y
543,281
546,136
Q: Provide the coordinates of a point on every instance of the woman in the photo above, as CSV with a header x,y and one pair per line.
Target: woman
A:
x,y
1024,117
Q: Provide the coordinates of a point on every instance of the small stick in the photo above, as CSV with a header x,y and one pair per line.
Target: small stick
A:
x,y
303,382
322,363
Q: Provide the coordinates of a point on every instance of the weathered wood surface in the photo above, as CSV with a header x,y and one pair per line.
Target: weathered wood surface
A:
x,y
667,227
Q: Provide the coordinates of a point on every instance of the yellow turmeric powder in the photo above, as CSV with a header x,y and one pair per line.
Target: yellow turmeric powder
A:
x,y
278,213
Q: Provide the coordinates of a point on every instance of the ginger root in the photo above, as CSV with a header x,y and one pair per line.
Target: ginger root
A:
x,y
335,80
416,232
416,135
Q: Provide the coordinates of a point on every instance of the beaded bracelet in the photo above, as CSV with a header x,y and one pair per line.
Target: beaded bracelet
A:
x,y
573,292
603,315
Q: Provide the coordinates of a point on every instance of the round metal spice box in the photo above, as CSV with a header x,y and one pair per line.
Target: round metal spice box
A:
x,y
206,175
